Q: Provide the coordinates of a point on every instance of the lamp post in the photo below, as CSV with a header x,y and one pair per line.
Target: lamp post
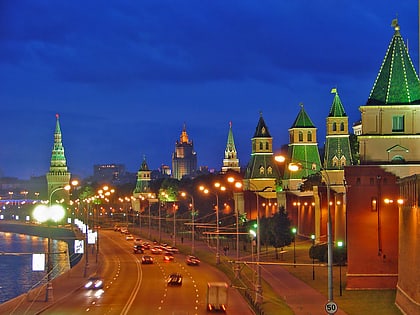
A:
x,y
184,194
238,185
161,195
293,167
174,208
206,191
313,258
340,247
258,286
294,246
54,213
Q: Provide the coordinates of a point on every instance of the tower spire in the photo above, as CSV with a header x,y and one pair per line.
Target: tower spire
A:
x,y
58,175
231,161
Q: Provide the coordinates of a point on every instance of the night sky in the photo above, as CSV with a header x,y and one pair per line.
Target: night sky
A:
x,y
125,76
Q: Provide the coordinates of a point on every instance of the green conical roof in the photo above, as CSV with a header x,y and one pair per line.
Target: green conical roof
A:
x,y
58,158
337,108
397,82
261,131
307,156
144,166
230,145
303,120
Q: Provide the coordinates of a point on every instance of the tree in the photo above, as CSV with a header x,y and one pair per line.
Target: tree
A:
x,y
280,234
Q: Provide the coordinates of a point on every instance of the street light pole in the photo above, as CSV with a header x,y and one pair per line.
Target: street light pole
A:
x,y
295,167
184,194
217,230
313,257
294,246
206,191
174,211
258,291
330,243
258,286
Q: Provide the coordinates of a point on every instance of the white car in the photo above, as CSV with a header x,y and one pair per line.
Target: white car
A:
x,y
129,237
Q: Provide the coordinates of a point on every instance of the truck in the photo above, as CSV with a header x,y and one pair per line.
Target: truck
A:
x,y
217,296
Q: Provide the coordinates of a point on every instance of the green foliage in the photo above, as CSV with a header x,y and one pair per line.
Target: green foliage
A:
x,y
354,147
310,181
279,229
320,252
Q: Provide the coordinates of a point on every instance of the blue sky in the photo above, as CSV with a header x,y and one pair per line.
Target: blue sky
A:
x,y
126,75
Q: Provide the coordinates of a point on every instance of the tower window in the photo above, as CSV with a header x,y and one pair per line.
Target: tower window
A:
x,y
343,160
334,126
342,126
398,123
266,146
261,145
310,136
300,136
261,169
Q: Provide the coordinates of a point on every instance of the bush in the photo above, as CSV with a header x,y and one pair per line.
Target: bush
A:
x,y
320,253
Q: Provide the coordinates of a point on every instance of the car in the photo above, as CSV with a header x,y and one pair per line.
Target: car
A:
x,y
138,241
175,279
192,260
147,260
146,245
129,237
94,283
156,250
171,249
168,256
138,249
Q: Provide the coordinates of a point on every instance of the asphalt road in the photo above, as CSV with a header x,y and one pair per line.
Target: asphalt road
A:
x,y
134,288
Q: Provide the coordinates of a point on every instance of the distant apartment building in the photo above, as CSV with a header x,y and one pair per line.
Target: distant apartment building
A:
x,y
108,172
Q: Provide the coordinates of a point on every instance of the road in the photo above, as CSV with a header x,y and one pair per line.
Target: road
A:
x,y
134,288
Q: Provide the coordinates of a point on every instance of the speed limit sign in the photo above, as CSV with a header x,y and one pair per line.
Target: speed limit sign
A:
x,y
331,307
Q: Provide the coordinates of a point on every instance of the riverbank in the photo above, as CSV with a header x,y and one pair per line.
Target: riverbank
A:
x,y
66,234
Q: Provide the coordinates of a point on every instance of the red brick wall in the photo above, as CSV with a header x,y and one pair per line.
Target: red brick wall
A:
x,y
408,289
372,246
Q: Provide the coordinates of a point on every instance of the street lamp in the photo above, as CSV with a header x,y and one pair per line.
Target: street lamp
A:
x,y
313,256
54,213
238,185
162,195
258,286
340,247
294,246
293,167
174,208
184,194
206,191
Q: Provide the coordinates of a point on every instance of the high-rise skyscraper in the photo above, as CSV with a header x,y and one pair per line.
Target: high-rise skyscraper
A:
x,y
184,158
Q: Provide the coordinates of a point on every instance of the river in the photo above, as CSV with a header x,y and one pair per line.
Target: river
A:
x,y
16,275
